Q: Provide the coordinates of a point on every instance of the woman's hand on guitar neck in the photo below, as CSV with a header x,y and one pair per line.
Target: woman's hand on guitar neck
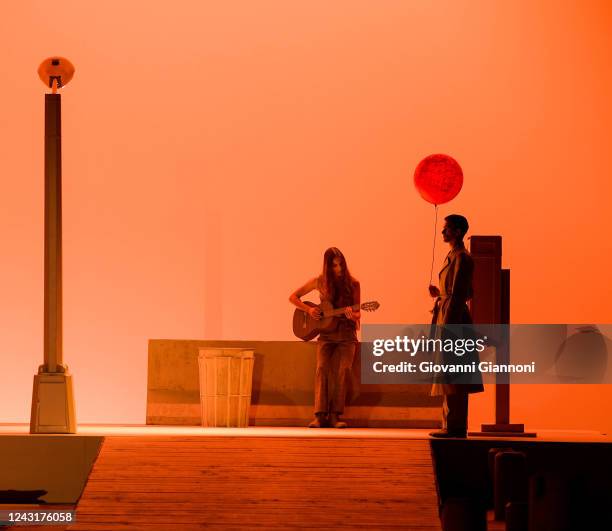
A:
x,y
350,314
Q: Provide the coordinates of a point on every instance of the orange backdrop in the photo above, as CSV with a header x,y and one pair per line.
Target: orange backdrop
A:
x,y
213,150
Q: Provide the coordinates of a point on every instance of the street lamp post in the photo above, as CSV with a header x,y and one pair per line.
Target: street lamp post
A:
x,y
53,408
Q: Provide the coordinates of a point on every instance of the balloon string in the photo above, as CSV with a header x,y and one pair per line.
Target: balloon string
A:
x,y
433,251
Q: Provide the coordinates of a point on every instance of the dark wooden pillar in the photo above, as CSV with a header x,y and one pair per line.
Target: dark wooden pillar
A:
x,y
491,305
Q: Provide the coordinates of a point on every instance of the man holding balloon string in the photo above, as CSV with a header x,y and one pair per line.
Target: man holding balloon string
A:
x,y
439,178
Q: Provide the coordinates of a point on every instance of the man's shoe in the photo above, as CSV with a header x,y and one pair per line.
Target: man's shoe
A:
x,y
335,422
319,421
445,434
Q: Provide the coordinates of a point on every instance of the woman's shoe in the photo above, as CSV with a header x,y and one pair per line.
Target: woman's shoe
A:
x,y
335,422
319,421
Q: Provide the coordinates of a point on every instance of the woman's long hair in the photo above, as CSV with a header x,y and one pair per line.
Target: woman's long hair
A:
x,y
338,290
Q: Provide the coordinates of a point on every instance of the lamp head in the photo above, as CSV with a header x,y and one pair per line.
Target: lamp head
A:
x,y
55,72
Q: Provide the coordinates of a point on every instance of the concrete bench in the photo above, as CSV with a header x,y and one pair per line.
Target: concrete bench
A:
x,y
283,388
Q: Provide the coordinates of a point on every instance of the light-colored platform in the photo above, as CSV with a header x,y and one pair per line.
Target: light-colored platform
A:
x,y
107,430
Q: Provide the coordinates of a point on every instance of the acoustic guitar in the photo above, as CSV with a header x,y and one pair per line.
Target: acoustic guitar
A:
x,y
306,327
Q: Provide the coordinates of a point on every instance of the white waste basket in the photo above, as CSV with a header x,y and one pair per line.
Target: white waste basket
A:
x,y
226,378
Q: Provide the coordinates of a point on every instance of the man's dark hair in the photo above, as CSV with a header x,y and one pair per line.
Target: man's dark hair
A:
x,y
458,222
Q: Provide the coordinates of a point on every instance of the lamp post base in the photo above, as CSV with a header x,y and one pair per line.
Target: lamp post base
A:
x,y
53,404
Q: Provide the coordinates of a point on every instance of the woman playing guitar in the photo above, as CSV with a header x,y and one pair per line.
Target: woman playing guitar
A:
x,y
335,349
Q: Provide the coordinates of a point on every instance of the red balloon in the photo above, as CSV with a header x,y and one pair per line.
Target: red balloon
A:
x,y
438,178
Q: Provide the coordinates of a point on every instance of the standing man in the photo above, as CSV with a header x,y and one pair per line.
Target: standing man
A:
x,y
450,308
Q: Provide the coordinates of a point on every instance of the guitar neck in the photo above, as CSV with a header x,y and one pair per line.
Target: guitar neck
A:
x,y
340,311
